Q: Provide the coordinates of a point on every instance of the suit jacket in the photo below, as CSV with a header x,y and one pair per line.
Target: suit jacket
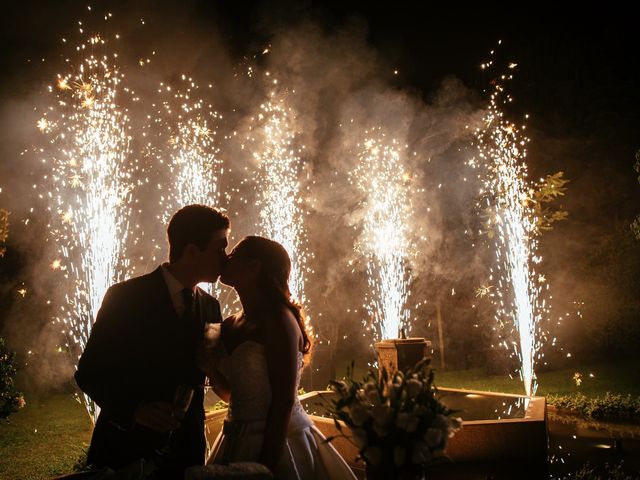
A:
x,y
141,350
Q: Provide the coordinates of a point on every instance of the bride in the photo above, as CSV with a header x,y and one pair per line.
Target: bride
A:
x,y
257,371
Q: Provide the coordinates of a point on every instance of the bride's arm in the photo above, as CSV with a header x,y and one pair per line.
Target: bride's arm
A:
x,y
281,349
209,353
219,384
208,363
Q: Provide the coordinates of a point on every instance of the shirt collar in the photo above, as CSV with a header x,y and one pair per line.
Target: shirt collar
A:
x,y
172,282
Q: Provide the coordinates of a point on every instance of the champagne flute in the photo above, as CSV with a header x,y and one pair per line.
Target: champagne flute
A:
x,y
181,402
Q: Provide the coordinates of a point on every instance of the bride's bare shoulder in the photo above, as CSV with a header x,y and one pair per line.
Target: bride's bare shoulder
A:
x,y
283,315
283,325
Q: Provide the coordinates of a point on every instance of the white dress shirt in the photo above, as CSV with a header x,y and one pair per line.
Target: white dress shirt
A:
x,y
175,290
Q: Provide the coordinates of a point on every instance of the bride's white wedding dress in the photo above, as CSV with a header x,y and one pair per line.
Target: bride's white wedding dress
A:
x,y
305,456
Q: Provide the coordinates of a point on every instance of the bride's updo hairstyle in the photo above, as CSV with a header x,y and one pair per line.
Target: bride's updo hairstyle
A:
x,y
275,267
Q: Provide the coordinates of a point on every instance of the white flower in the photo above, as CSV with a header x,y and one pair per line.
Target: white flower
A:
x,y
396,387
433,437
380,430
359,414
407,422
382,414
371,392
420,410
342,388
373,397
413,387
421,453
360,437
399,456
370,386
455,424
441,422
373,456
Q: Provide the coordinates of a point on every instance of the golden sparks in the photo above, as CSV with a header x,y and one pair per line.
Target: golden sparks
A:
x,y
90,157
384,183
43,124
518,302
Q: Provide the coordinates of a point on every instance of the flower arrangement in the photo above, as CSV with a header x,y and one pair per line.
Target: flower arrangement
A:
x,y
396,420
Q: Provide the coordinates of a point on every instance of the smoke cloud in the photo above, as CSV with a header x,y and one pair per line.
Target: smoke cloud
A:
x,y
338,85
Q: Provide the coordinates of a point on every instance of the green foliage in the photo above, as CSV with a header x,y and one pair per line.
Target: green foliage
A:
x,y
611,406
635,225
44,439
541,195
4,230
81,464
598,379
396,420
610,280
607,472
220,405
10,399
546,191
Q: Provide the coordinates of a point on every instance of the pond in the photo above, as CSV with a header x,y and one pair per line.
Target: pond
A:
x,y
471,405
574,441
506,435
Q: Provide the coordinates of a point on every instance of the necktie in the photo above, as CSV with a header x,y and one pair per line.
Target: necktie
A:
x,y
187,299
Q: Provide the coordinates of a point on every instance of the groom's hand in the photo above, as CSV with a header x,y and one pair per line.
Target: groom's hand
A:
x,y
207,359
157,416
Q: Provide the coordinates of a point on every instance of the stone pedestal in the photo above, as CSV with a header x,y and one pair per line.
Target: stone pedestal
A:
x,y
402,353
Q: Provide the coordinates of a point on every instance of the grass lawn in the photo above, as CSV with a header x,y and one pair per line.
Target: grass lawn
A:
x,y
615,378
47,437
607,377
44,439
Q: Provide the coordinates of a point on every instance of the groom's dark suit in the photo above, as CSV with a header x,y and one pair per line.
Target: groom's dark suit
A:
x,y
140,350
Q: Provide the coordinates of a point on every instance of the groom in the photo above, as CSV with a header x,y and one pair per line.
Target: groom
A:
x,y
143,346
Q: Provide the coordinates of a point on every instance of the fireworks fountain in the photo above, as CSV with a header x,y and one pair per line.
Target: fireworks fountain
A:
x,y
188,130
189,125
90,202
502,152
279,198
387,189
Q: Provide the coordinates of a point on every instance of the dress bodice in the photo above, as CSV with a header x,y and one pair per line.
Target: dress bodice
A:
x,y
305,455
245,370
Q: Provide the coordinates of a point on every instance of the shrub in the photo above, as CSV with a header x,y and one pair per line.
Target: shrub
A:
x,y
608,472
611,406
10,399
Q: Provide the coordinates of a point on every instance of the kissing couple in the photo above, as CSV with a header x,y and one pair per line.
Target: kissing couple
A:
x,y
157,338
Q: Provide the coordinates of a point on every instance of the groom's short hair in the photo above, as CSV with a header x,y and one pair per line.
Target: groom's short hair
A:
x,y
193,224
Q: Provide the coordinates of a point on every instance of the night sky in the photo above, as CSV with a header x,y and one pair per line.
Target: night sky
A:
x,y
578,67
